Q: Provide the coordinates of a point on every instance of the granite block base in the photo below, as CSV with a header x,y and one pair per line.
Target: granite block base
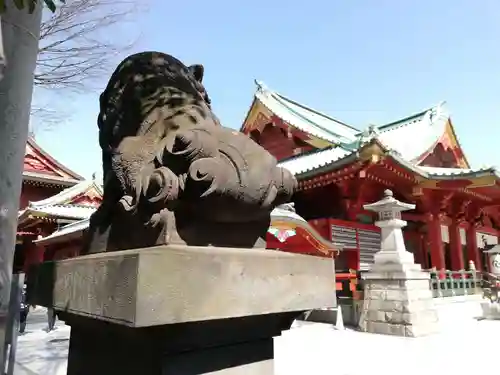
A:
x,y
398,302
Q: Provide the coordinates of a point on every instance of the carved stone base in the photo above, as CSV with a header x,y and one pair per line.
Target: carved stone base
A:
x,y
181,310
398,301
491,310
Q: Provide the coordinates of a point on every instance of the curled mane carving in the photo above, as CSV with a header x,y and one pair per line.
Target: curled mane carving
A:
x,y
172,174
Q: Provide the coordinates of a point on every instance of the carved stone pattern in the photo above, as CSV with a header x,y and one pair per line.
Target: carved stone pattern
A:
x,y
172,173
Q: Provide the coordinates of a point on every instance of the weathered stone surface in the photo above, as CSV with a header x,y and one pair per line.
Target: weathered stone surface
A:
x,y
402,307
172,173
179,309
491,310
178,284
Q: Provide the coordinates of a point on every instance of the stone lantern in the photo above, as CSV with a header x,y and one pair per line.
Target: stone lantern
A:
x,y
392,246
397,294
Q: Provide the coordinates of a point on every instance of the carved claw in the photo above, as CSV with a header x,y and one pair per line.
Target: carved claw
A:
x,y
204,177
163,184
127,203
158,218
155,220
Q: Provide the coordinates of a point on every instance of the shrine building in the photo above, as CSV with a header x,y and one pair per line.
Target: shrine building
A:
x,y
53,198
340,168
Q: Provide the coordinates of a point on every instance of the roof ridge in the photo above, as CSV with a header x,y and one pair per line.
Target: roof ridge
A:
x,y
271,102
31,141
335,131
303,117
310,152
313,111
407,118
386,127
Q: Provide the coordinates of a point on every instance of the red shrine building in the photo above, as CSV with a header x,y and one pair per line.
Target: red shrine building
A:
x,y
54,200
340,168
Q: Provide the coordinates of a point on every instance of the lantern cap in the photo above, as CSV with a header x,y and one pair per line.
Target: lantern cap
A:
x,y
388,203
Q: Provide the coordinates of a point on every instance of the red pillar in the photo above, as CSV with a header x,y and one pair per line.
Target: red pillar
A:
x,y
472,250
435,242
457,258
34,255
422,253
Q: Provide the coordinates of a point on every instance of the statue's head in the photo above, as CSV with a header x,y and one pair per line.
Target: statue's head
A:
x,y
142,82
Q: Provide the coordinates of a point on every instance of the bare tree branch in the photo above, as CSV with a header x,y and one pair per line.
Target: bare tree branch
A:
x,y
79,43
45,119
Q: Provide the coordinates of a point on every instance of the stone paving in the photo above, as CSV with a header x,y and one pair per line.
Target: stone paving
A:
x,y
40,352
465,345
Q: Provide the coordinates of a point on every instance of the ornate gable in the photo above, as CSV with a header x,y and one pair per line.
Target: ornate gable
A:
x,y
446,153
91,197
36,160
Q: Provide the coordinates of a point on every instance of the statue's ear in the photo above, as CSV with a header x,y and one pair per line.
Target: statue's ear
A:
x,y
197,71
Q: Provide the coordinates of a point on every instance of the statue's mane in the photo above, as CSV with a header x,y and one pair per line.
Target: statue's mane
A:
x,y
146,76
141,83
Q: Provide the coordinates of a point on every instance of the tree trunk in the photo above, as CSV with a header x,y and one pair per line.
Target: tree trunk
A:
x,y
2,54
20,32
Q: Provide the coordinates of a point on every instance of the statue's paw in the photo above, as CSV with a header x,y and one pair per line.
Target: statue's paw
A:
x,y
158,218
155,220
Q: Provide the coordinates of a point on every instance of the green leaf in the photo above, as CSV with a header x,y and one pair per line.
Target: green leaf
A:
x,y
19,4
2,6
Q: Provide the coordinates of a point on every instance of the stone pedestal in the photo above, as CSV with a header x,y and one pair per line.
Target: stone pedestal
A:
x,y
181,310
398,301
491,310
398,298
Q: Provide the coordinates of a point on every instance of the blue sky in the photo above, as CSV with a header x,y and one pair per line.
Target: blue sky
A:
x,y
362,62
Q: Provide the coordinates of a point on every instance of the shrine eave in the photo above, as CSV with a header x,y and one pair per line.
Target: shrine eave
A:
x,y
65,196
308,120
68,232
282,219
334,158
318,161
54,212
43,179
456,173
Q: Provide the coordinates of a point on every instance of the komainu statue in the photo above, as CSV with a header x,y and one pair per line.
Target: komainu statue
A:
x,y
172,173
